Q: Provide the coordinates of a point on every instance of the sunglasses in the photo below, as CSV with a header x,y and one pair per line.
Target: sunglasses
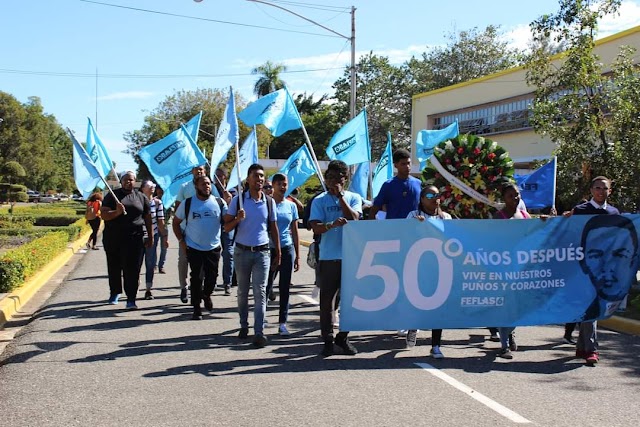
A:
x,y
431,196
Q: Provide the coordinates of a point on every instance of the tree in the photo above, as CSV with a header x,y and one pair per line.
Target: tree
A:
x,y
468,55
180,108
269,80
15,193
591,116
382,88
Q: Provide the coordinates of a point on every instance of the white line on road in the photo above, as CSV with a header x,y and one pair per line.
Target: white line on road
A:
x,y
505,412
309,299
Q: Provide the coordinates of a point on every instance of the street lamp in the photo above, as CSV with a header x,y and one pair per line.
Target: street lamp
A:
x,y
352,41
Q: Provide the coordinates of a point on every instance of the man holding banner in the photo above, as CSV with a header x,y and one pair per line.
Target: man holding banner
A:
x,y
330,211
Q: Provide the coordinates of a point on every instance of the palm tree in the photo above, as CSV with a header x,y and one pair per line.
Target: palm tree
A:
x,y
269,80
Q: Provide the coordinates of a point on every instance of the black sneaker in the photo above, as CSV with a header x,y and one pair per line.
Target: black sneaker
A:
x,y
208,304
512,342
244,333
227,289
197,314
569,340
259,341
183,296
148,295
327,350
272,296
505,353
347,347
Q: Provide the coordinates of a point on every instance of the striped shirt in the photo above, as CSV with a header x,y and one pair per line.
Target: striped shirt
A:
x,y
157,212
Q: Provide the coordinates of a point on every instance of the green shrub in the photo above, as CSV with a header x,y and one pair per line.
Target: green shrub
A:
x,y
15,221
55,221
19,264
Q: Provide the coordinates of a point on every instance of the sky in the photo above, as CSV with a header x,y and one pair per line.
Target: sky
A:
x,y
53,49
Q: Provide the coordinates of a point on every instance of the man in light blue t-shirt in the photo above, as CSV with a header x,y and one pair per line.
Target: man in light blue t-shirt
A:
x,y
255,221
330,211
199,237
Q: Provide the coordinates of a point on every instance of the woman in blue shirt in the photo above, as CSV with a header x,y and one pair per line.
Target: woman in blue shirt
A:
x,y
287,219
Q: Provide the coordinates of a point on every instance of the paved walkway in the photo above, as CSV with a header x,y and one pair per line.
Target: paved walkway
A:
x,y
84,362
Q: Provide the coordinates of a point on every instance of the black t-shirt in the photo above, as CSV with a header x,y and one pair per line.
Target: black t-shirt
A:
x,y
136,204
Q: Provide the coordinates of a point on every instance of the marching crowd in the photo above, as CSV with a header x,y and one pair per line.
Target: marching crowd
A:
x,y
255,233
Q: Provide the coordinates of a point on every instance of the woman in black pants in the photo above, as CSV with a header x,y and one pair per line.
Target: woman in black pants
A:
x,y
93,218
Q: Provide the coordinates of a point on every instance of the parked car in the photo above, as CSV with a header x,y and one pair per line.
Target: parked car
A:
x,y
49,198
34,196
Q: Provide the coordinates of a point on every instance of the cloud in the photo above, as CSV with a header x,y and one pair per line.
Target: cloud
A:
x,y
126,95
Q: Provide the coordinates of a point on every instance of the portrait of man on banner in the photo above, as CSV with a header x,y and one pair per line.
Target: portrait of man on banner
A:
x,y
610,246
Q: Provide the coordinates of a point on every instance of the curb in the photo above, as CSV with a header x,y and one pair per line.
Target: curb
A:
x,y
621,324
14,301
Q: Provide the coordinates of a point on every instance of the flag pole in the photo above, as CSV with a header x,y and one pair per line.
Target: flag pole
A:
x,y
313,156
555,176
238,171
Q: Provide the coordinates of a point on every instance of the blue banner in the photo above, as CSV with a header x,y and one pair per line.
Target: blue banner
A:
x,y
193,127
171,160
351,143
408,274
360,180
98,153
427,140
248,156
227,135
276,111
298,168
538,189
384,169
85,173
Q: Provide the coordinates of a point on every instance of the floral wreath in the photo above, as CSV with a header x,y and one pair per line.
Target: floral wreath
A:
x,y
476,161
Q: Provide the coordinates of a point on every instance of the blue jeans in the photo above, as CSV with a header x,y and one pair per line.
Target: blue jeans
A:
x,y
163,252
285,270
504,336
252,269
227,257
150,257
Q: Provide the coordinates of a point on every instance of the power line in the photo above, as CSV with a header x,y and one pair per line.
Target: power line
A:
x,y
157,12
146,76
314,6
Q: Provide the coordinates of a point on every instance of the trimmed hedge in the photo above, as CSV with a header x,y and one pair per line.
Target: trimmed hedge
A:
x,y
19,264
13,222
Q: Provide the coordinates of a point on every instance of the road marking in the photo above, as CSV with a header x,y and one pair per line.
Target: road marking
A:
x,y
309,299
502,410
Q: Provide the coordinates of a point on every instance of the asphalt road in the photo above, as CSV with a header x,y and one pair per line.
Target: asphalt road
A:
x,y
83,362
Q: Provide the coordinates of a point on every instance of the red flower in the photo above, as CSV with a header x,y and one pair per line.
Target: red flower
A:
x,y
447,161
458,197
491,156
452,205
460,150
466,174
472,160
476,151
457,165
483,169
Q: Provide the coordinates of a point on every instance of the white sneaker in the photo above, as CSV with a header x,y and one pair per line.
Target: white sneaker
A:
x,y
412,337
402,333
315,293
335,318
283,331
436,353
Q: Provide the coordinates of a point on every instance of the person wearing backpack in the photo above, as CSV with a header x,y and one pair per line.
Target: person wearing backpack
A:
x,y
92,215
254,223
200,238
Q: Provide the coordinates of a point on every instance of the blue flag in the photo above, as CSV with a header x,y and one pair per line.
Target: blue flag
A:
x,y
427,140
351,143
360,180
384,169
171,160
227,135
276,111
298,168
538,189
85,173
248,156
193,127
98,153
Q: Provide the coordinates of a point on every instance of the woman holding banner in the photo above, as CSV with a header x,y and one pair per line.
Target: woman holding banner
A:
x,y
429,208
511,210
